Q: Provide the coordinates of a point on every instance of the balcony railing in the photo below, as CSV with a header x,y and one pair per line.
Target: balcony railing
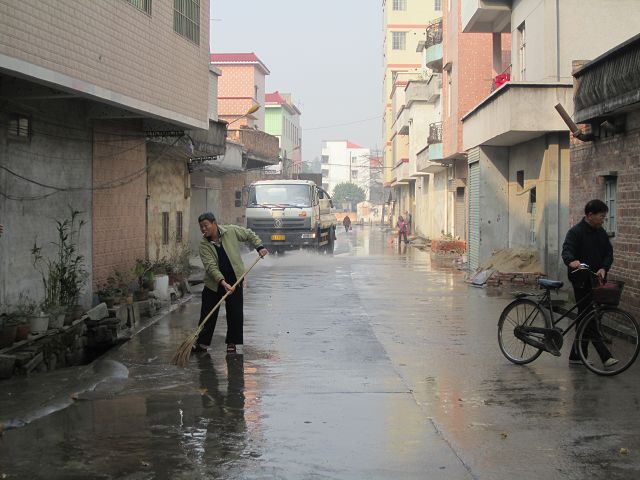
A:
x,y
435,133
257,143
434,33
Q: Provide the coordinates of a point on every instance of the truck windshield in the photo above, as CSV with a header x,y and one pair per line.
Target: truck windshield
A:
x,y
280,195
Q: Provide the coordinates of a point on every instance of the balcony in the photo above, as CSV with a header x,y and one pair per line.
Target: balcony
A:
x,y
433,46
435,133
516,112
429,159
261,148
424,90
402,122
486,16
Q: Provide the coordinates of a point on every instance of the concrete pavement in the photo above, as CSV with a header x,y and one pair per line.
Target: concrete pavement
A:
x,y
373,363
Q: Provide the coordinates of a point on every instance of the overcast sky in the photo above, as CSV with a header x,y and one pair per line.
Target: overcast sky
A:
x,y
328,54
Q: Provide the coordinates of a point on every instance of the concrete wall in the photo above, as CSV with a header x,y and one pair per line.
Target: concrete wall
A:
x,y
112,51
236,94
119,212
589,161
610,21
58,154
168,186
494,200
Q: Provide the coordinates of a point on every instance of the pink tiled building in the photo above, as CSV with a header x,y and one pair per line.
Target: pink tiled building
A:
x,y
241,85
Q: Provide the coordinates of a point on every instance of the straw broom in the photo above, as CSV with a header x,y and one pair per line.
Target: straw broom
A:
x,y
183,354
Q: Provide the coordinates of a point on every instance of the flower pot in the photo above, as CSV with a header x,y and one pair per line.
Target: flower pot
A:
x,y
7,335
73,312
39,323
56,320
161,286
22,333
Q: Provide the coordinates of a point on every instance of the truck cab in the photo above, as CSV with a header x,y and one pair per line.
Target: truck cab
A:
x,y
291,214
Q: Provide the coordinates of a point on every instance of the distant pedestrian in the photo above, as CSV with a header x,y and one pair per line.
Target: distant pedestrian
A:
x,y
346,222
220,254
408,219
401,225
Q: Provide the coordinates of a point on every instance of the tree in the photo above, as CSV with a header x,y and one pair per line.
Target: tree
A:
x,y
349,194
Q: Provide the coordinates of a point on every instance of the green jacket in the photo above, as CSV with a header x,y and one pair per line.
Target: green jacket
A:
x,y
231,236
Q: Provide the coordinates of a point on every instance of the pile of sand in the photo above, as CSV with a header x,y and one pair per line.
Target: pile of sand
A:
x,y
517,259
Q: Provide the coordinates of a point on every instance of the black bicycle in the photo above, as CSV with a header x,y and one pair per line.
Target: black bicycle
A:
x,y
528,327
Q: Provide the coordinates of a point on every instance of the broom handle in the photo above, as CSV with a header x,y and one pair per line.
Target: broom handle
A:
x,y
201,326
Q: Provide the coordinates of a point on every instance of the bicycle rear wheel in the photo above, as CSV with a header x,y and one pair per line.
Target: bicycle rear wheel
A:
x,y
615,335
521,312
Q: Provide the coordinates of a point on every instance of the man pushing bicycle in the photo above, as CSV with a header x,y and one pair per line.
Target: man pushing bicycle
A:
x,y
588,243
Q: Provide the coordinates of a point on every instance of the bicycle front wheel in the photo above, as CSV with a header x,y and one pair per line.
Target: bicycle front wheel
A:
x,y
615,336
521,312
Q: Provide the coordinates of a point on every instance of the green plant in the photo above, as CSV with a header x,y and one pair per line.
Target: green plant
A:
x,y
64,275
144,273
162,266
180,259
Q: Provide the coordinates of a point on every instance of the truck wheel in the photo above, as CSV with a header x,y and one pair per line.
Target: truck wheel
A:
x,y
330,243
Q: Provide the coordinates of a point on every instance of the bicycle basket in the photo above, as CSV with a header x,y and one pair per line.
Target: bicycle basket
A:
x,y
609,293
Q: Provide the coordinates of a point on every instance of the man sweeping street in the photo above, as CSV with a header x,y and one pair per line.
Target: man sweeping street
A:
x,y
220,254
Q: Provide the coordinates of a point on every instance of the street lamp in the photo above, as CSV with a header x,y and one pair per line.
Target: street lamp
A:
x,y
254,108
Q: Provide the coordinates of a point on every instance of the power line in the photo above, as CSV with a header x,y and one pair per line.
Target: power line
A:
x,y
342,124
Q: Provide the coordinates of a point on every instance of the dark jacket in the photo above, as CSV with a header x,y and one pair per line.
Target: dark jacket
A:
x,y
588,245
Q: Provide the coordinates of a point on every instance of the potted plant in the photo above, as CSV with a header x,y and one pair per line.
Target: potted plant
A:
x,y
145,278
63,275
25,309
109,292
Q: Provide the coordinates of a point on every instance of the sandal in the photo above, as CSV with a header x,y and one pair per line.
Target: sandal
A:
x,y
231,348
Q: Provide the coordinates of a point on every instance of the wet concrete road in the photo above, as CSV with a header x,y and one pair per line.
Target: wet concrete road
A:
x,y
371,364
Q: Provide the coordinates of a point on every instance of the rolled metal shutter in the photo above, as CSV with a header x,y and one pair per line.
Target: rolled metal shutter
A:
x,y
474,208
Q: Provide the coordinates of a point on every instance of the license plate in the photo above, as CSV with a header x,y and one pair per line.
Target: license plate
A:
x,y
277,237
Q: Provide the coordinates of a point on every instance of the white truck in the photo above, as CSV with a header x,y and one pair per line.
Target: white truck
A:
x,y
291,214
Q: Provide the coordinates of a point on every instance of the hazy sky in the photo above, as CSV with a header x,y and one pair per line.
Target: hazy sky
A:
x,y
328,54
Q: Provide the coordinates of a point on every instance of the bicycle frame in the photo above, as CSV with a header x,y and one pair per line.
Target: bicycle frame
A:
x,y
545,302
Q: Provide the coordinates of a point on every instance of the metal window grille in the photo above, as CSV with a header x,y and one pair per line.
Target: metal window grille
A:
x,y
522,51
178,227
144,5
435,133
165,228
400,5
399,40
610,198
186,19
533,217
433,35
19,127
437,5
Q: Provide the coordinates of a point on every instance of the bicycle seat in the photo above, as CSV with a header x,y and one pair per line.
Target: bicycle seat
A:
x,y
545,283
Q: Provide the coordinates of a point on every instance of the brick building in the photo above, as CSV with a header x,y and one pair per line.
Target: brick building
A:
x,y
84,88
605,164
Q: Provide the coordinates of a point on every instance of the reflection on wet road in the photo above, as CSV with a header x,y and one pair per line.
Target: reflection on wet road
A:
x,y
373,363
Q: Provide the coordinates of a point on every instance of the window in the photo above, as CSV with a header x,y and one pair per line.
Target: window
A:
x,y
178,227
610,198
522,49
144,5
255,92
354,174
520,180
324,159
186,19
532,217
165,228
19,127
399,40
437,5
399,5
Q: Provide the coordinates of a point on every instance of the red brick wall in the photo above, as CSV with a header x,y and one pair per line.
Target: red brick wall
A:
x,y
119,213
622,154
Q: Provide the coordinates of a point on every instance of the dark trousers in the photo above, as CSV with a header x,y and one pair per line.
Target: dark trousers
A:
x,y
235,315
402,236
591,332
